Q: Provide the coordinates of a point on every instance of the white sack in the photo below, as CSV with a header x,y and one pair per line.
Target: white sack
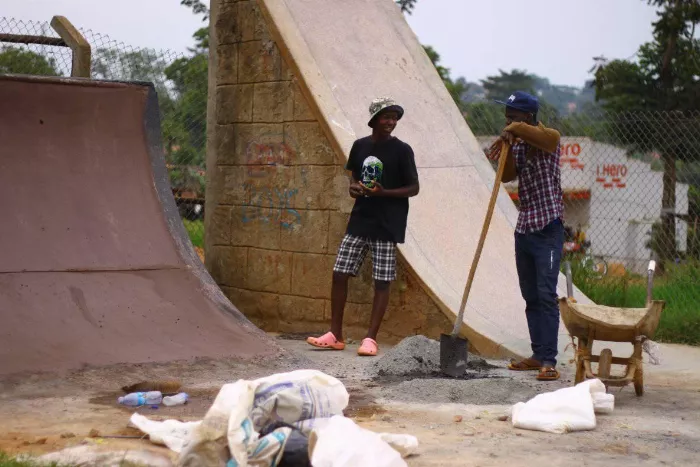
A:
x,y
342,443
564,410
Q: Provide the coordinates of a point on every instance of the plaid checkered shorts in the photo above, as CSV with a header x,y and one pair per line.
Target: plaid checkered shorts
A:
x,y
352,253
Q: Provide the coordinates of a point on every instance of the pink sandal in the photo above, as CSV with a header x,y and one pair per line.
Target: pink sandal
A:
x,y
368,348
326,341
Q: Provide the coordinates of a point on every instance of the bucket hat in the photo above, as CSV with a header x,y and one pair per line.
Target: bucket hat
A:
x,y
383,104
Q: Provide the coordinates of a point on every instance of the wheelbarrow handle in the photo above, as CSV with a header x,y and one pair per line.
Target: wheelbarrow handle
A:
x,y
569,280
650,280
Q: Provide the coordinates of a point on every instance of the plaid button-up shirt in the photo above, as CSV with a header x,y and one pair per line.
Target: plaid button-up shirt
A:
x,y
539,187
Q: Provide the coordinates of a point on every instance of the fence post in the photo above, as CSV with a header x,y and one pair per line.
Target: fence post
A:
x,y
77,43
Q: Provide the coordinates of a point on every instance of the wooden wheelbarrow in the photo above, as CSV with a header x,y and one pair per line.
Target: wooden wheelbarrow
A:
x,y
588,323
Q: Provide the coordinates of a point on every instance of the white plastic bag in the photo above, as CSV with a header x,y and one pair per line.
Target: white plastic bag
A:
x,y
406,445
171,433
564,410
244,408
341,443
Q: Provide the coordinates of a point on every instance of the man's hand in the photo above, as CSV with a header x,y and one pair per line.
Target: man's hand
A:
x,y
494,151
508,137
356,190
377,190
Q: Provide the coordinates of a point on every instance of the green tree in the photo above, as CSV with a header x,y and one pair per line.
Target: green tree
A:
x,y
664,80
198,8
25,62
501,86
188,76
407,6
485,118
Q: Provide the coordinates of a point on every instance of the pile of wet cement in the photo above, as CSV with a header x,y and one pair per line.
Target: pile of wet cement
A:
x,y
418,356
412,372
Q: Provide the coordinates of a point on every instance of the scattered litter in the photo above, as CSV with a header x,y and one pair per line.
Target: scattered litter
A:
x,y
652,349
406,445
170,433
565,410
94,455
137,399
177,399
253,422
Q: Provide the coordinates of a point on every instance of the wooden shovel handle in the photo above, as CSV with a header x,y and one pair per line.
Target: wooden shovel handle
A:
x,y
482,239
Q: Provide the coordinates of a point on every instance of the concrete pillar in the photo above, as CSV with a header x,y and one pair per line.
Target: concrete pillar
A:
x,y
277,199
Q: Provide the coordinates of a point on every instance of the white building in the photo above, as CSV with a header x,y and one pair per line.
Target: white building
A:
x,y
613,198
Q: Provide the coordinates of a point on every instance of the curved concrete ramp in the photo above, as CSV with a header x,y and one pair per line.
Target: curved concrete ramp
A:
x,y
96,266
347,53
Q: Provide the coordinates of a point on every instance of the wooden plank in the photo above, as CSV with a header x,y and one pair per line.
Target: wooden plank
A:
x,y
80,47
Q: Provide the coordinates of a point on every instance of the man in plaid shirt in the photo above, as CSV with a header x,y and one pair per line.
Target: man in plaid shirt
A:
x,y
539,233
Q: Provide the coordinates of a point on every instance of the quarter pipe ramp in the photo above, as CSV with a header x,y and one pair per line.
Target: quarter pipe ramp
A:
x,y
344,54
95,265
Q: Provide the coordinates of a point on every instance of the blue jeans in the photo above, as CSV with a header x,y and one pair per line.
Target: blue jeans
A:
x,y
537,258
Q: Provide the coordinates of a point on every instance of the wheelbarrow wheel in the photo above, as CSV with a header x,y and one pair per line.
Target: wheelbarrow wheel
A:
x,y
639,382
604,364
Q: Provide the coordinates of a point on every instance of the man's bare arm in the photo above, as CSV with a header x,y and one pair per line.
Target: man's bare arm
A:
x,y
403,192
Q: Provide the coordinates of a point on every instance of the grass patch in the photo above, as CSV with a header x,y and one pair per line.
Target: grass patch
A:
x,y
679,287
10,461
195,229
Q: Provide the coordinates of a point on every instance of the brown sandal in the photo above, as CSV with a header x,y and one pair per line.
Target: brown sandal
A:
x,y
528,364
548,373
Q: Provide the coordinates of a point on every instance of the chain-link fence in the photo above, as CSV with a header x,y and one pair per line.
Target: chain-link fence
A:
x,y
631,181
181,83
631,184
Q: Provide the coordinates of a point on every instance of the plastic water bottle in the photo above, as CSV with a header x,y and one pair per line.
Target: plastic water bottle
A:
x,y
177,399
136,399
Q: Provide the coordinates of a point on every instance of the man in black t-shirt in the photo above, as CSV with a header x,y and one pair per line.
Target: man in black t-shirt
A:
x,y
384,176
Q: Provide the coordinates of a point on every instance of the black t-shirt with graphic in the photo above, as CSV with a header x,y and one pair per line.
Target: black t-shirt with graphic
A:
x,y
378,217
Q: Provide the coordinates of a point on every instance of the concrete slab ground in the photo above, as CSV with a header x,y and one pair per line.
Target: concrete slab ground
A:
x,y
663,427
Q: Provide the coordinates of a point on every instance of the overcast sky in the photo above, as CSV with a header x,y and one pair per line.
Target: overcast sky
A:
x,y
553,38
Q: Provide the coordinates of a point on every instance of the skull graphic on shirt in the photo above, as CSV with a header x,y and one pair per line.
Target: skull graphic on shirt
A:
x,y
371,171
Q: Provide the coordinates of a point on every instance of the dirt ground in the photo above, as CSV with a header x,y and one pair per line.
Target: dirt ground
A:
x,y
44,413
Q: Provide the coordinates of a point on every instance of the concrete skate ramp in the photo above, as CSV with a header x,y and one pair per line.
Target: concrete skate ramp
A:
x,y
96,266
347,53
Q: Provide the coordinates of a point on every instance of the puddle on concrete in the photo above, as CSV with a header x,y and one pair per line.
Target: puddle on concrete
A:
x,y
362,404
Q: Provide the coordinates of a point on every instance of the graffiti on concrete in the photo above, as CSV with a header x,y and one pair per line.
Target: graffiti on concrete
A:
x,y
271,205
270,189
261,155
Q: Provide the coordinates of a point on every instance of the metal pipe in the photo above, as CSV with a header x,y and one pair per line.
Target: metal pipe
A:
x,y
29,39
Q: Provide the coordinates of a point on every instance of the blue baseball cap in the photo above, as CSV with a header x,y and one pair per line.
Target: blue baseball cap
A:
x,y
520,100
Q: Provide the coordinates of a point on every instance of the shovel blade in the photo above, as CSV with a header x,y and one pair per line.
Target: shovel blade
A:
x,y
453,355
